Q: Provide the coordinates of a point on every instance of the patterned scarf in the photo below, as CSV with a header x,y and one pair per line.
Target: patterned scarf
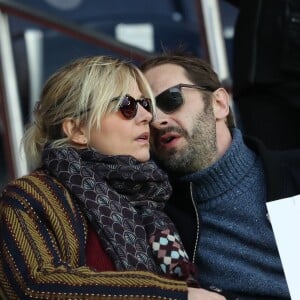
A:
x,y
124,200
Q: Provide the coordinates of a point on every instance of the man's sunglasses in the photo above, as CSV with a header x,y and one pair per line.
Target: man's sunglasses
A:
x,y
171,99
129,106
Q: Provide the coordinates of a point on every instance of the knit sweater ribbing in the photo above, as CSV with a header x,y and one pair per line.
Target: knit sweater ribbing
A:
x,y
225,174
237,250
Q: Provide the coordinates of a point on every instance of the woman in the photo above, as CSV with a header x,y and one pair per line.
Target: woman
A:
x,y
93,204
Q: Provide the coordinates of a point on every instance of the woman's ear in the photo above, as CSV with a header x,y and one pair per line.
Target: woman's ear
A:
x,y
221,104
74,132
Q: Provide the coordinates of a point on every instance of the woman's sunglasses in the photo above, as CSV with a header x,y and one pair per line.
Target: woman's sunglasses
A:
x,y
171,99
129,106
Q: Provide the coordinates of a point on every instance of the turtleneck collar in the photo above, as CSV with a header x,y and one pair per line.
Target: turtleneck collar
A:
x,y
225,172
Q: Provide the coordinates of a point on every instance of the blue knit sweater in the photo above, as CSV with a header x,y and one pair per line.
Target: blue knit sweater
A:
x,y
237,249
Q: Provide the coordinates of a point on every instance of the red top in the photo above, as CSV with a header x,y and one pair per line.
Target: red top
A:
x,y
96,257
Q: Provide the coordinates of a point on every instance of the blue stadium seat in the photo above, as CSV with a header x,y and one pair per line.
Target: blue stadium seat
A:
x,y
170,23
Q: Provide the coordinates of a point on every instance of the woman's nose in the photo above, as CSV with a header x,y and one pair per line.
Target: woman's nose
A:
x,y
143,114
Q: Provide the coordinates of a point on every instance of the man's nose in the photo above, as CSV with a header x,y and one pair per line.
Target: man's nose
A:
x,y
160,120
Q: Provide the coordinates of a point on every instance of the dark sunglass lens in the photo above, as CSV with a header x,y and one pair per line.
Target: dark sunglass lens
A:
x,y
128,107
146,103
169,100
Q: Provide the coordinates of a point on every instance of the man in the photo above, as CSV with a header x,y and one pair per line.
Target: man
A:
x,y
266,70
221,180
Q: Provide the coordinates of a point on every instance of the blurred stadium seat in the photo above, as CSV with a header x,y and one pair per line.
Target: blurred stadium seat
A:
x,y
143,24
150,25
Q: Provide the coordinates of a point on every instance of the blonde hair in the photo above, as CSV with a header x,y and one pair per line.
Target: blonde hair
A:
x,y
81,90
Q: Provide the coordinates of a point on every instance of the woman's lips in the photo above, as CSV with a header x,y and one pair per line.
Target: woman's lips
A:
x,y
144,137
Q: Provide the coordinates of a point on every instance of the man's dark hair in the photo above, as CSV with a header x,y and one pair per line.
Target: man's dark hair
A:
x,y
197,70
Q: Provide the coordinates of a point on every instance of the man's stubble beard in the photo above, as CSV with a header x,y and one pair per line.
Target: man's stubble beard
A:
x,y
200,151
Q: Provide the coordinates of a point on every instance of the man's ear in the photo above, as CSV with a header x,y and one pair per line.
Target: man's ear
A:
x,y
221,103
74,132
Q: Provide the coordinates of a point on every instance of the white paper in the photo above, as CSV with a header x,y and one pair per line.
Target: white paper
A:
x,y
285,219
139,35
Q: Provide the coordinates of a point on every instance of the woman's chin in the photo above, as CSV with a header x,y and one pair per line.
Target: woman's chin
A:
x,y
142,157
